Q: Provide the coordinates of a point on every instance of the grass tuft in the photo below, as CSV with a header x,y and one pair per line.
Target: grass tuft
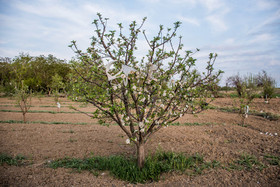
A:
x,y
272,160
247,162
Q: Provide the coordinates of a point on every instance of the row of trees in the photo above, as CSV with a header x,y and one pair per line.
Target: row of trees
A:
x,y
52,75
39,74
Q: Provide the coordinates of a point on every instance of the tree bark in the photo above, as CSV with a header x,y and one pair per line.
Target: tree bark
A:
x,y
141,154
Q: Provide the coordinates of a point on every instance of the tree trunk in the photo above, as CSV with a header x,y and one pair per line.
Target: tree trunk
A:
x,y
141,155
50,91
24,117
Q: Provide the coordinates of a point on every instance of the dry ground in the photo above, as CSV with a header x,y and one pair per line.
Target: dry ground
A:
x,y
222,140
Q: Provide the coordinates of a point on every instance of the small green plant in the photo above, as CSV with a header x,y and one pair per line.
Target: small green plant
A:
x,y
15,161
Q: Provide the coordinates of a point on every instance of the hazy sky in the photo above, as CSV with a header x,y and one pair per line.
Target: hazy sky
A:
x,y
244,33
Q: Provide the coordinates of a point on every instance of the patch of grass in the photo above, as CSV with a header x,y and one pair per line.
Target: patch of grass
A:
x,y
12,161
12,121
248,162
272,160
126,168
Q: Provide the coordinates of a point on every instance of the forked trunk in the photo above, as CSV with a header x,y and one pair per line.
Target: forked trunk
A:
x,y
141,155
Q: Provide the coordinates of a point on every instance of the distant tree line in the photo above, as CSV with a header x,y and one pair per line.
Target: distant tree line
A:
x,y
40,74
50,75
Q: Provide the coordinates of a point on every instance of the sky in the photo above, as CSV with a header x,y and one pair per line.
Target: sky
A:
x,y
244,33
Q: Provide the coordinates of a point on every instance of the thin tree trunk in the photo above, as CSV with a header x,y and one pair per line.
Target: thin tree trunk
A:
x,y
141,154
50,91
24,118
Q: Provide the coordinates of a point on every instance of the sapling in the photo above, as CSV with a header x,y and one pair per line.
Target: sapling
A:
x,y
23,99
140,95
246,89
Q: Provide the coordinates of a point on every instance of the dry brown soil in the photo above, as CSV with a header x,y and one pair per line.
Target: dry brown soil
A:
x,y
222,140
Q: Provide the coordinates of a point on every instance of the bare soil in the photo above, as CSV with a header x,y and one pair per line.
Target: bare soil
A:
x,y
222,139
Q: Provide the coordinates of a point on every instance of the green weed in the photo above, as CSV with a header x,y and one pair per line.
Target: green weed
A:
x,y
15,161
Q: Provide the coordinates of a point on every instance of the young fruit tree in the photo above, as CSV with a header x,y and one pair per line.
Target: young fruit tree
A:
x,y
246,89
140,95
23,99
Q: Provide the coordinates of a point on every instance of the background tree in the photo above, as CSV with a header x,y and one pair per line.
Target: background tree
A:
x,y
268,85
49,67
236,82
7,76
141,96
57,85
21,65
246,89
